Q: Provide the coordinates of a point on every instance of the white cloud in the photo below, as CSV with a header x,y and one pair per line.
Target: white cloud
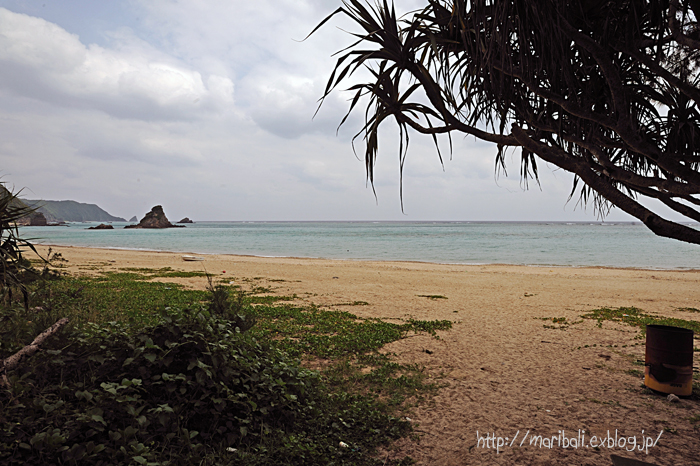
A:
x,y
41,60
205,107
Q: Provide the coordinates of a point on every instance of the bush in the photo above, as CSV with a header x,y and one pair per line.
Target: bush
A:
x,y
188,387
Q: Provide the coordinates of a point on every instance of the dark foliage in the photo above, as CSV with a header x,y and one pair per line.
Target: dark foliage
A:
x,y
13,265
110,397
189,390
605,90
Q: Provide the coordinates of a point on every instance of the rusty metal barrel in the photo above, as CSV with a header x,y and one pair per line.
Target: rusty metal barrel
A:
x,y
669,360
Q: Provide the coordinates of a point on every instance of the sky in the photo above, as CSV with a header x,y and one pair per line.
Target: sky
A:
x,y
206,107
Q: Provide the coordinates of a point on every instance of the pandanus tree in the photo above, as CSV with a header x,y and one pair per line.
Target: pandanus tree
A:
x,y
12,246
605,90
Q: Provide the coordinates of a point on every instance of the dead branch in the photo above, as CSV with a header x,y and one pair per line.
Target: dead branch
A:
x,y
13,361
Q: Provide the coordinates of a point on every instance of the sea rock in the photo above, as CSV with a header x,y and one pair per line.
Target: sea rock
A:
x,y
37,219
155,219
102,226
134,219
185,220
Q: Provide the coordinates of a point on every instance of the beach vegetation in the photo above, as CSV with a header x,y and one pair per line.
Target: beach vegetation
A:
x,y
607,91
269,299
688,309
432,296
353,303
558,323
154,373
14,266
635,317
257,289
322,333
164,272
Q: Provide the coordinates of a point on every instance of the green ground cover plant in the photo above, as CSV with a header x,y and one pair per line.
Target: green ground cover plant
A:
x,y
638,318
152,373
165,272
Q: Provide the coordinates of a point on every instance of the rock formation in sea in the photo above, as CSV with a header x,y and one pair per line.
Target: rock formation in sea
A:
x,y
134,219
155,219
102,226
185,220
37,219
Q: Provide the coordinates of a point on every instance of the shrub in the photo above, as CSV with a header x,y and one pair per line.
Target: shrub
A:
x,y
173,392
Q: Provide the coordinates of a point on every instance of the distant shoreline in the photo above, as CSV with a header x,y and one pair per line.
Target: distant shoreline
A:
x,y
533,244
399,261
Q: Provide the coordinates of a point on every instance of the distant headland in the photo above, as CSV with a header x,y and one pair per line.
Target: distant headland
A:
x,y
71,211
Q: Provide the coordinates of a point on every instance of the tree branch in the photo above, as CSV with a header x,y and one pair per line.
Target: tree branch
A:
x,y
432,92
655,223
676,27
13,361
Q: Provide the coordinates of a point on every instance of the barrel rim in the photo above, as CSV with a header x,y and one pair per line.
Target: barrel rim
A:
x,y
670,328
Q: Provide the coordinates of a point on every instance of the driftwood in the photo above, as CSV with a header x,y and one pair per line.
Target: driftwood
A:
x,y
13,361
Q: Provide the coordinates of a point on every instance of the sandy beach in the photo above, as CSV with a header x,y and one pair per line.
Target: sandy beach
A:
x,y
505,371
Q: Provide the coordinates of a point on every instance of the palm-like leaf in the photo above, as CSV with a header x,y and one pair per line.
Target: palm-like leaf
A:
x,y
605,90
12,247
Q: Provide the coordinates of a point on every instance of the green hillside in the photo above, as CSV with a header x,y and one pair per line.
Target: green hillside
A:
x,y
72,211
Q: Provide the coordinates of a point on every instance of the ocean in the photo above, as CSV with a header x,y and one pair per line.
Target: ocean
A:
x,y
629,245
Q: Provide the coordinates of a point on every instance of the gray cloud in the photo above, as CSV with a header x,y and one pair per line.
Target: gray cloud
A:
x,y
206,108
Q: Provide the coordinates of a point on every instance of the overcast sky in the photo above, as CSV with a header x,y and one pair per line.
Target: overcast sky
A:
x,y
206,107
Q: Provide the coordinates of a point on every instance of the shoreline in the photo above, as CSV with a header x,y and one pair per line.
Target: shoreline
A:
x,y
465,264
518,357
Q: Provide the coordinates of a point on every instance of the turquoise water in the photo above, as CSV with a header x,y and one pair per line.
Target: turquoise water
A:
x,y
563,244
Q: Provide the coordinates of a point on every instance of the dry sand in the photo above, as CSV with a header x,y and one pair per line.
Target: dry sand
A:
x,y
504,372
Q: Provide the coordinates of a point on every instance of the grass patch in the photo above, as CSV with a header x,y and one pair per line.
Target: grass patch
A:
x,y
558,323
115,296
635,317
165,272
269,299
150,372
260,290
554,320
331,334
